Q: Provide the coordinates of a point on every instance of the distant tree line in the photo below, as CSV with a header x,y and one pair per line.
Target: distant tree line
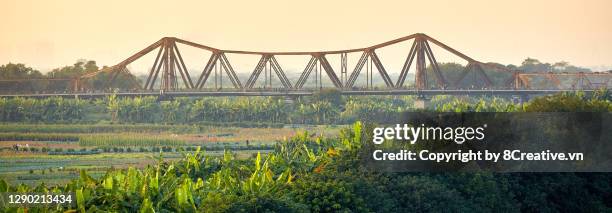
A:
x,y
452,73
534,65
21,78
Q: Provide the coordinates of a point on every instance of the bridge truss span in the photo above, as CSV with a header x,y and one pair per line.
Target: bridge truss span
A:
x,y
170,70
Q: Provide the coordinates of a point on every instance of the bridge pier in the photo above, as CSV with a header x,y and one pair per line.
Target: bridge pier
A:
x,y
290,100
422,102
520,99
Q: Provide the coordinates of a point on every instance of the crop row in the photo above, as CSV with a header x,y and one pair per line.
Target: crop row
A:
x,y
118,140
96,150
98,140
38,137
100,128
128,140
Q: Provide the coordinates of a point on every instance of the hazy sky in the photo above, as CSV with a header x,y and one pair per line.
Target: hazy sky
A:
x,y
52,33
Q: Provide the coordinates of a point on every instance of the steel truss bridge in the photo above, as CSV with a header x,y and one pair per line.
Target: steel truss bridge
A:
x,y
170,71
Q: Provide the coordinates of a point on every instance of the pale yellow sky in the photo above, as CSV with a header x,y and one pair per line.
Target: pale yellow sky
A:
x,y
46,34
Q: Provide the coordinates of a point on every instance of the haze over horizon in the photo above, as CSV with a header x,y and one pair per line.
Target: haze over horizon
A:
x,y
50,34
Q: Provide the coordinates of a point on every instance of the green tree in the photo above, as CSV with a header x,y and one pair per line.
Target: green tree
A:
x,y
112,105
12,71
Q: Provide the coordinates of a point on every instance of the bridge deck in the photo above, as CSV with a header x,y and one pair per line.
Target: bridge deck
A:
x,y
494,92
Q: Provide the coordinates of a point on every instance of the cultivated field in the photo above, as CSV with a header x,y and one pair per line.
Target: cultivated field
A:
x,y
31,153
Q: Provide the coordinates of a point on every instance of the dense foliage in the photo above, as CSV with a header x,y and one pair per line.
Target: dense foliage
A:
x,y
327,107
599,101
314,174
310,110
41,110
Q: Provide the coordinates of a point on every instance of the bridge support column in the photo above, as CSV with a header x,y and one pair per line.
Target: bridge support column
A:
x,y
520,99
290,100
422,102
